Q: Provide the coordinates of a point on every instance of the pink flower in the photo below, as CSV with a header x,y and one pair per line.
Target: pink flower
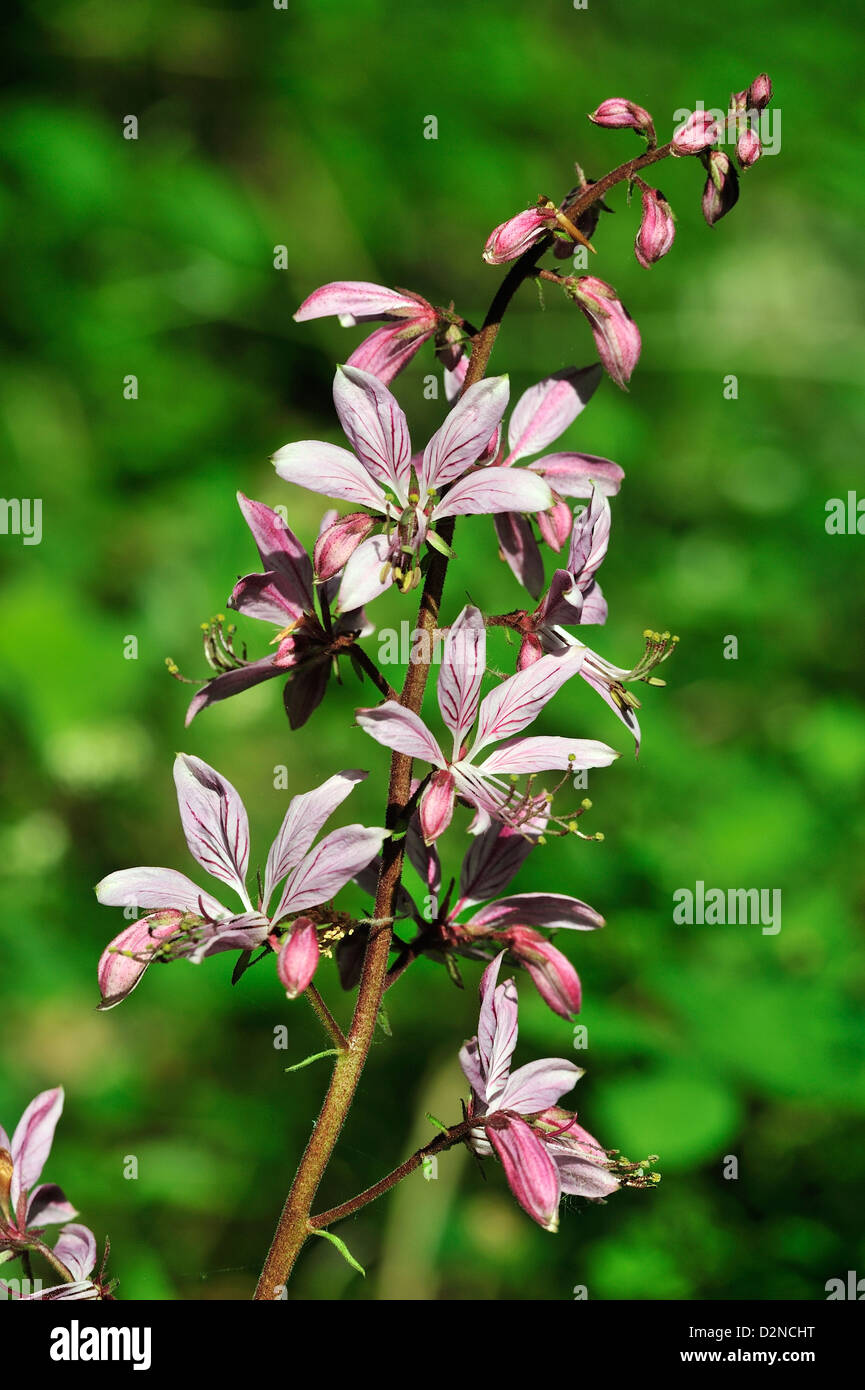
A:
x,y
183,920
657,228
505,712
283,595
542,1149
617,337
540,416
575,598
409,494
616,113
25,1204
409,318
696,134
492,860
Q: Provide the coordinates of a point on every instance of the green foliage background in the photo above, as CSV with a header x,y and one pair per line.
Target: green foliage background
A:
x,y
304,127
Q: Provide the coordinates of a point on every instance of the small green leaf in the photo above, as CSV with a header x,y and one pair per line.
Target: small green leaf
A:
x,y
330,1052
441,546
343,1250
384,1022
438,1124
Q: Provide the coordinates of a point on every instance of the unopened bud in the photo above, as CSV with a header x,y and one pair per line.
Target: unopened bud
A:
x,y
721,192
760,92
616,113
695,134
512,238
748,148
339,541
617,337
657,229
297,960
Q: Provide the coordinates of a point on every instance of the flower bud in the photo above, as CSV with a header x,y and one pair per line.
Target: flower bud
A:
x,y
657,229
748,148
297,960
739,101
695,134
554,977
555,524
437,806
530,651
760,92
722,187
512,238
616,113
617,337
338,541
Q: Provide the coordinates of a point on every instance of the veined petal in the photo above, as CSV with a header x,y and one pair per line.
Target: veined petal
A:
x,y
465,433
533,1087
545,754
281,552
521,550
214,822
48,1206
388,350
329,866
357,299
151,888
230,683
491,861
518,700
330,470
464,661
574,474
367,574
260,596
553,910
401,730
497,1029
32,1140
490,490
544,411
76,1249
532,1176
375,426
304,818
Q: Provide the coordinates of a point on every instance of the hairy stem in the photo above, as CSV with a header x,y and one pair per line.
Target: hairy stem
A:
x,y
454,1135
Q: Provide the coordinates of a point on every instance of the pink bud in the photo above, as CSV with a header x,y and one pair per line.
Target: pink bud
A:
x,y
555,524
554,977
739,101
760,92
695,134
338,541
722,187
748,148
297,960
530,651
657,229
617,337
515,236
616,113
437,805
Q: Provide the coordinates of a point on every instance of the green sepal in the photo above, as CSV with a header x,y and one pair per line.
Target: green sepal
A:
x,y
343,1250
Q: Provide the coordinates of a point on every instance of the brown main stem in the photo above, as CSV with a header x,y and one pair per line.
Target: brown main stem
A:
x,y
295,1224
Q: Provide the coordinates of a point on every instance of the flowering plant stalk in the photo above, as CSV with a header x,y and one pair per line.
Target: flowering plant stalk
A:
x,y
398,534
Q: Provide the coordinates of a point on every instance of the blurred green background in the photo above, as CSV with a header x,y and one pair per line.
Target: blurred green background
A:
x,y
261,127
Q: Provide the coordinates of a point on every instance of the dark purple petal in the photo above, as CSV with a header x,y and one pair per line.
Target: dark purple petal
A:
x,y
304,691
281,552
232,683
491,862
49,1206
521,550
